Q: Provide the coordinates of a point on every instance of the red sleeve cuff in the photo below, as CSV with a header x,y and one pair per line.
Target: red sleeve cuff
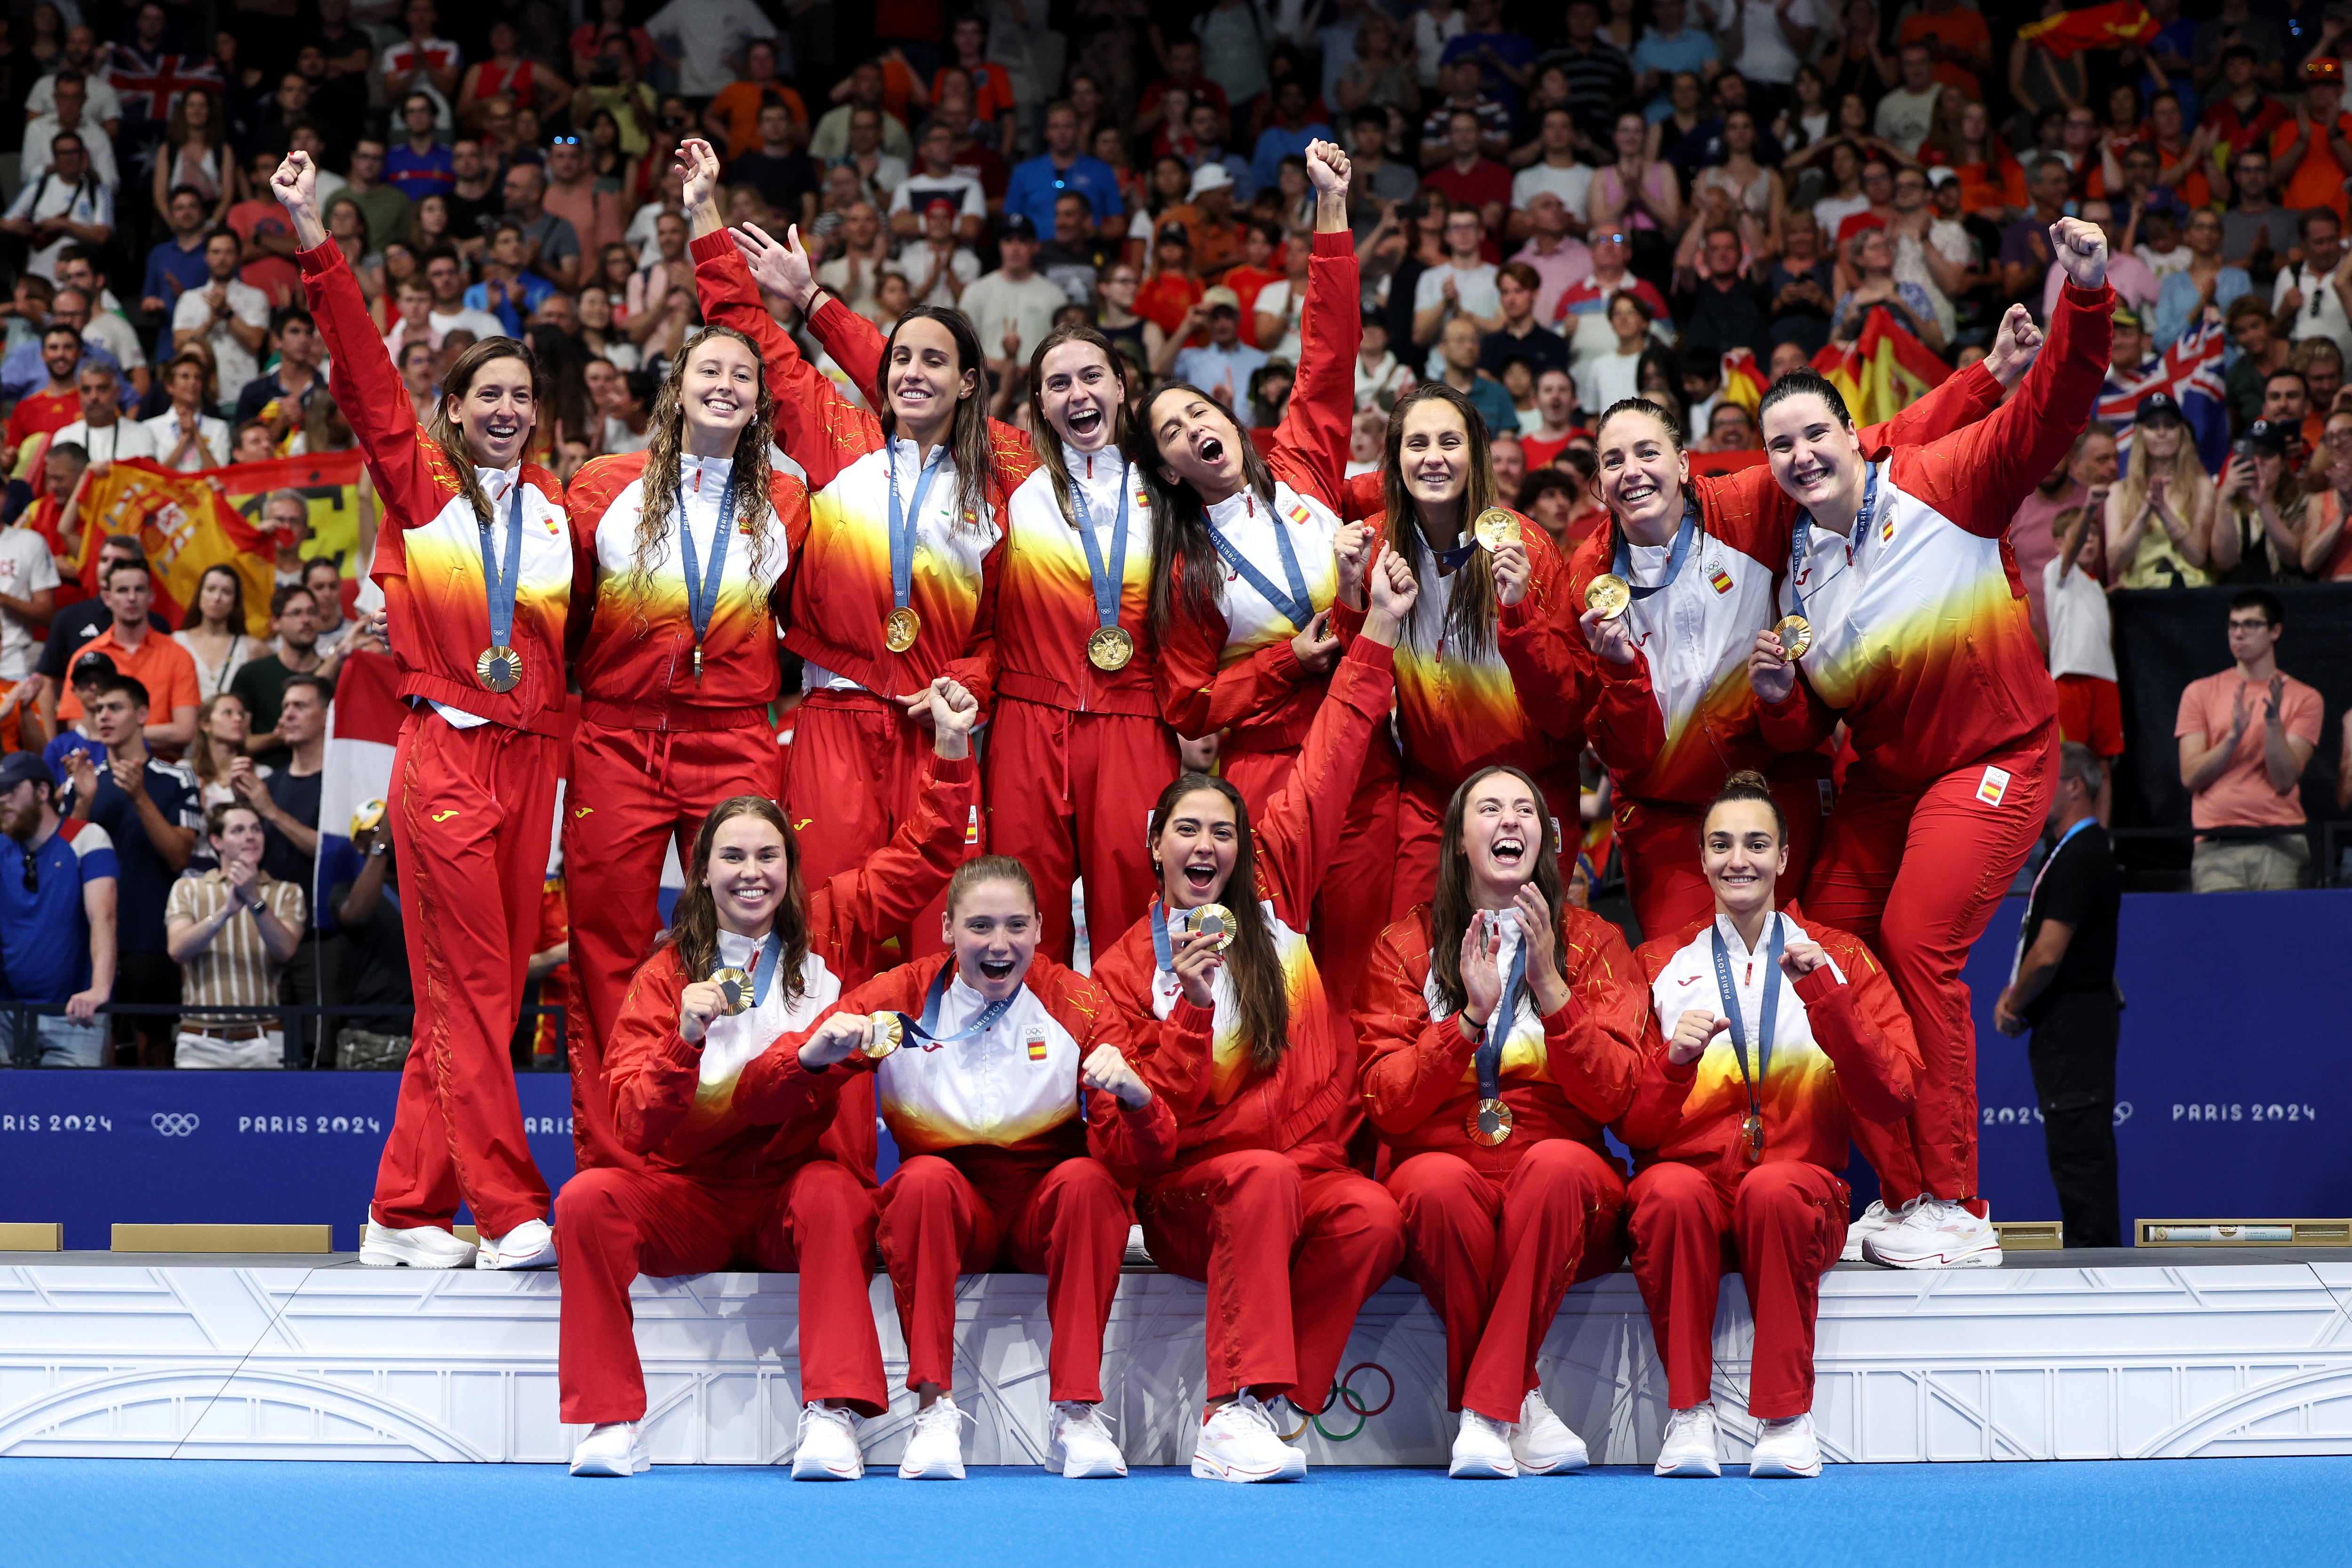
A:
x,y
2102,299
321,259
1342,244
1191,1019
1818,987
1678,1072
955,770
711,247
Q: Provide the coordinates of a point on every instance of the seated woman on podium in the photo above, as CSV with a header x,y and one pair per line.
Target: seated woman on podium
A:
x,y
1740,1124
754,1153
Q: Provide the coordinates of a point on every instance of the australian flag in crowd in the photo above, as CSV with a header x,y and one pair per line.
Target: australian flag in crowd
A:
x,y
2190,371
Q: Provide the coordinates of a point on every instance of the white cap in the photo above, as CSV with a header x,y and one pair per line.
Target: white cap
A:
x,y
1209,178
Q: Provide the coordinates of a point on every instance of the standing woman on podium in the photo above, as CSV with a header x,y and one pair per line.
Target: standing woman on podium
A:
x,y
1247,574
895,583
1670,597
1918,639
474,554
1241,1035
1500,1029
682,551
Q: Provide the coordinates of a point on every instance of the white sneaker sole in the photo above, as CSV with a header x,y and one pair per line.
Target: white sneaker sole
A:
x,y
1771,1470
1483,1470
1689,1470
1098,1470
1562,1465
487,1258
933,1473
380,1248
816,1469
609,1469
1986,1255
1207,1469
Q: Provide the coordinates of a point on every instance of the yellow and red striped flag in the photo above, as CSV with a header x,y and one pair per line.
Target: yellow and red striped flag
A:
x,y
1881,372
2109,27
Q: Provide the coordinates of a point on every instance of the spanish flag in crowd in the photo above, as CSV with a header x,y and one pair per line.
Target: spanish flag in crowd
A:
x,y
190,523
2109,27
1743,380
1881,372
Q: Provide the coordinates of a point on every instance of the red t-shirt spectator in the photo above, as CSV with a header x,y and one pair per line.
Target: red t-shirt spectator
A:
x,y
1248,282
1485,181
2242,797
991,89
279,277
39,413
1165,297
2243,131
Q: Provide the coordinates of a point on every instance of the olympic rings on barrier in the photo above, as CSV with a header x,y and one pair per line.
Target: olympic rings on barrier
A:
x,y
174,1123
1344,1393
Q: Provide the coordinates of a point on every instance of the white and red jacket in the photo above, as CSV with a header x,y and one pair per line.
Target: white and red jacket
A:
x,y
1198,1058
428,553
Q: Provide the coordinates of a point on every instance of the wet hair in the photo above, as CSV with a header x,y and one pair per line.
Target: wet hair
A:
x,y
752,513
989,868
1261,990
1470,602
694,923
968,438
1451,908
1747,785
1188,576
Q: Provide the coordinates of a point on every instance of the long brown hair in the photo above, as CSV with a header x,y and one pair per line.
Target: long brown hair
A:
x,y
1451,909
1188,577
1046,440
443,429
203,761
658,497
1674,435
967,440
694,924
1470,602
1259,990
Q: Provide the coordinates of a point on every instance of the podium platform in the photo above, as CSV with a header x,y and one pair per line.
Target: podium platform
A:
x,y
2089,1355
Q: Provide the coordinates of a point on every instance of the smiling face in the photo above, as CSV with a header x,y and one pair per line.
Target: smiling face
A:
x,y
1198,443
720,392
1815,457
992,928
923,380
1079,392
750,874
1196,849
495,413
1741,854
1433,453
1502,834
1642,471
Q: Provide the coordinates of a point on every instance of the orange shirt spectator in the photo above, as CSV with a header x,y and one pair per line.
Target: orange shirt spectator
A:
x,y
2324,516
737,106
1957,29
2319,180
159,664
2244,734
991,89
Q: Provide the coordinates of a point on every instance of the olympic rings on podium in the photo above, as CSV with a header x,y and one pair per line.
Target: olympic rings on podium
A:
x,y
1345,1394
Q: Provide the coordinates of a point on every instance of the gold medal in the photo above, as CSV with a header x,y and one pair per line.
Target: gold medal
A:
x,y
1489,1124
1796,634
1609,594
1751,1135
900,628
1214,921
1110,649
368,816
736,988
888,1035
1494,529
499,668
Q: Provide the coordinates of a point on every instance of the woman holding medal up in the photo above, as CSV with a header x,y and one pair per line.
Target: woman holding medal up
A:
x,y
682,551
1901,572
1740,1126
1499,1030
742,1148
1242,1035
895,583
474,556
1013,1105
1246,575
1670,597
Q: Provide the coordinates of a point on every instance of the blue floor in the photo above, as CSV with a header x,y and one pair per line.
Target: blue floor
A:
x,y
274,1515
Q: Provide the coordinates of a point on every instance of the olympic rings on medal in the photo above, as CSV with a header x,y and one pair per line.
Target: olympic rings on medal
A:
x,y
1344,1393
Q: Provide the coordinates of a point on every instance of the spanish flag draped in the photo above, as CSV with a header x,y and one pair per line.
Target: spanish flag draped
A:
x,y
1743,379
2110,26
1881,372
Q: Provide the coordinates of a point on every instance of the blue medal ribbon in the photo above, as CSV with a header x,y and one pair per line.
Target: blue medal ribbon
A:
x,y
1623,562
1800,537
904,523
1109,583
503,589
1499,1027
702,585
926,1029
1730,993
1297,605
763,973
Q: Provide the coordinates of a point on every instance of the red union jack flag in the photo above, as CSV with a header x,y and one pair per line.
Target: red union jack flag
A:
x,y
151,86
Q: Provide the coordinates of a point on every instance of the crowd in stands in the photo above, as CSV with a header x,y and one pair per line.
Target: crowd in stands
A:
x,y
1556,206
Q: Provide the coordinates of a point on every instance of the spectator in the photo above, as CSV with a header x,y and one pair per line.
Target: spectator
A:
x,y
2081,644
1076,254
421,166
1510,462
56,515
1209,130
574,196
56,402
66,116
474,196
1558,259
876,172
706,36
286,802
2326,547
2134,285
1458,347
279,397
1871,258
1505,59
1013,305
91,671
2256,232
509,290
1586,300
1634,192
1275,308
1207,215
1598,73
143,650
1379,376
446,275
2083,480
1557,170
732,118
1374,177
1605,379
2065,988
1556,414
57,886
936,178
2025,256
1722,308
1225,363
234,928
1261,240
72,627
375,967
1669,47
938,269
1731,428
1520,337
1463,96
2305,295
384,204
227,315
1472,182
65,205
2159,519
551,244
339,634
1908,112
2246,734
1466,285
1292,129
101,431
148,808
213,631
787,178
2256,533
830,141
261,685
286,519
187,437
2243,117
28,598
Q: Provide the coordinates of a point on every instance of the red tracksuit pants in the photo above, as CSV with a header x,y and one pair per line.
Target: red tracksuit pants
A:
x,y
1421,824
1351,907
612,1226
1917,874
1070,796
1783,1229
1288,1257
853,776
1494,1256
633,794
1659,843
472,811
1067,1222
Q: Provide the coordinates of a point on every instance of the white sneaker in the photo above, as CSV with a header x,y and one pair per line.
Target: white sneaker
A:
x,y
1137,1254
610,1448
1938,1234
1787,1449
1542,1443
1241,1443
935,1447
412,1247
1690,1448
530,1245
1086,1449
1874,1218
828,1448
1482,1451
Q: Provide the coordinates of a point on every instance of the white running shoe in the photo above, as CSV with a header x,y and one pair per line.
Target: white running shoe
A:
x,y
1083,1441
530,1245
1690,1448
1787,1449
1137,1254
1241,1443
1542,1443
828,1448
1938,1234
935,1447
412,1247
610,1448
1482,1451
1874,1218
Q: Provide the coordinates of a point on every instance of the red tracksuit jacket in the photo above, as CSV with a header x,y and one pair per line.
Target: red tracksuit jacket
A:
x,y
1842,1045
1566,1075
1921,640
428,556
1196,1058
